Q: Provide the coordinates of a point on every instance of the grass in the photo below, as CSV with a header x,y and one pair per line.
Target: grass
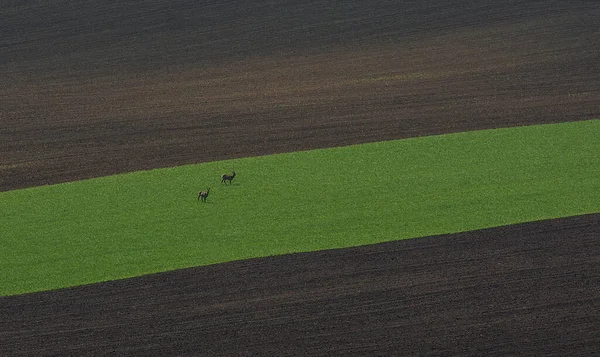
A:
x,y
150,221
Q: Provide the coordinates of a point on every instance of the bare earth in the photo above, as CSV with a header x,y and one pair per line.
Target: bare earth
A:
x,y
96,88
527,290
89,90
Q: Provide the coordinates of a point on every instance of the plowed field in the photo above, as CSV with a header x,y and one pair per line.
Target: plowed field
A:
x,y
94,88
528,290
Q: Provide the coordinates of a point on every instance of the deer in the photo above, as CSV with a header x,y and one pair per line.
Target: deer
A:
x,y
203,194
225,177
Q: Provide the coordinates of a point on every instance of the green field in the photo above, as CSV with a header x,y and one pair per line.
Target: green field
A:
x,y
144,222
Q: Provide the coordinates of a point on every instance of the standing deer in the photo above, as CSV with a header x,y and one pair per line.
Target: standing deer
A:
x,y
225,177
203,194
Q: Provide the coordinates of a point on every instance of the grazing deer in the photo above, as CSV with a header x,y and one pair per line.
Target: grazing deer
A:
x,y
203,194
225,177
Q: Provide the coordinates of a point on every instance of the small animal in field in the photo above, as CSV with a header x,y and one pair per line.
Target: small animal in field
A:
x,y
203,195
225,177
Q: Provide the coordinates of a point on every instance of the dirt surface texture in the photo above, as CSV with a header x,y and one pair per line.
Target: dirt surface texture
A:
x,y
525,290
94,88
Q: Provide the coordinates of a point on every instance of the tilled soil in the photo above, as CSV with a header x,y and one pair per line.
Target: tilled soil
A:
x,y
92,89
529,290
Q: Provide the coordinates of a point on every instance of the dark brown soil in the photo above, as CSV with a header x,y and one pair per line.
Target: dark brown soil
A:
x,y
526,290
92,88
97,88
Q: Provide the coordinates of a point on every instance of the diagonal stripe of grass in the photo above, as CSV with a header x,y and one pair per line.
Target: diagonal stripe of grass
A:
x,y
144,222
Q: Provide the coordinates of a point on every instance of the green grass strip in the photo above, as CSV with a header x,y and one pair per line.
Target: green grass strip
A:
x,y
144,222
